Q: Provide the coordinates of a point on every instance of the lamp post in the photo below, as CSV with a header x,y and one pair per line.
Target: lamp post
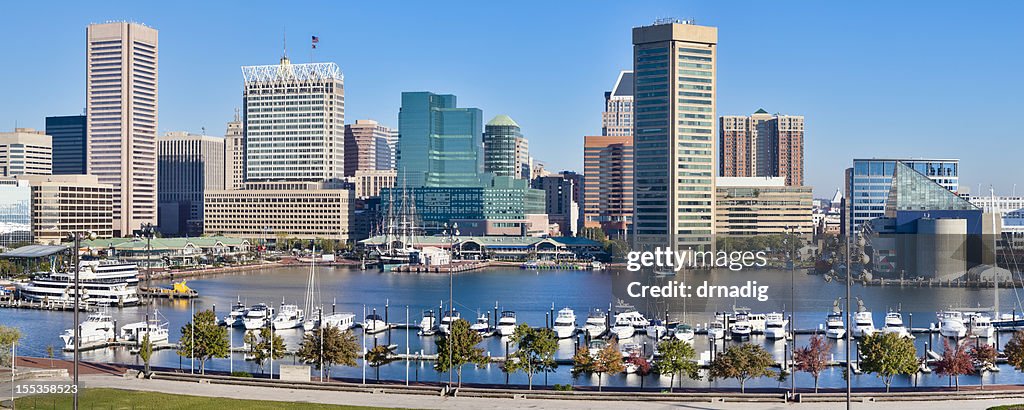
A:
x,y
76,238
148,231
452,233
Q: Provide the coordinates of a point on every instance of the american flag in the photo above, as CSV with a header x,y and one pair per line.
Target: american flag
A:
x,y
315,41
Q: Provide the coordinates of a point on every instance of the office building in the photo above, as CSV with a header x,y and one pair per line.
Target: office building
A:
x,y
748,206
673,137
608,184
25,152
506,151
869,180
234,154
439,144
368,183
617,119
762,145
369,146
62,204
560,201
262,210
188,166
68,139
294,122
15,212
121,116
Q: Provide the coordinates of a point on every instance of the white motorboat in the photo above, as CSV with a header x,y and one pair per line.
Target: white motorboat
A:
x,y
656,329
981,326
863,321
98,327
596,324
631,317
507,323
835,326
565,323
951,324
154,327
756,321
342,320
373,323
628,350
258,316
482,325
716,330
102,282
447,320
428,324
894,324
236,317
775,326
740,328
623,330
289,317
683,332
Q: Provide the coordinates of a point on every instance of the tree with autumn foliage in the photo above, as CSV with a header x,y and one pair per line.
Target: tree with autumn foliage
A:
x,y
1014,350
984,355
813,358
954,362
642,365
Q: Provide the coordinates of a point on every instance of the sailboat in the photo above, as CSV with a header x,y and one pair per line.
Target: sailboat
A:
x,y
316,317
399,231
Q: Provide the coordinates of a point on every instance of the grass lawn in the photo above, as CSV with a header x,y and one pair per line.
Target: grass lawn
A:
x,y
113,399
1008,407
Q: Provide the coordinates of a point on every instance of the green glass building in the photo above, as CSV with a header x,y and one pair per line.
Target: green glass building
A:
x,y
439,144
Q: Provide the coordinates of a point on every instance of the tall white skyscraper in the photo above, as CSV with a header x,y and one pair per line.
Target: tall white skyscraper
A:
x,y
673,134
294,122
234,154
617,119
121,111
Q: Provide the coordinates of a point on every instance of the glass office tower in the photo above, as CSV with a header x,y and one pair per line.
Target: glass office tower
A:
x,y
439,145
870,181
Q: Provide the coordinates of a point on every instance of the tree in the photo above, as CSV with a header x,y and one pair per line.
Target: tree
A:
x,y
594,234
1014,350
8,337
338,348
742,362
378,356
535,351
203,339
984,355
458,348
49,354
582,363
677,360
608,361
266,346
954,362
281,241
813,358
146,352
888,355
642,365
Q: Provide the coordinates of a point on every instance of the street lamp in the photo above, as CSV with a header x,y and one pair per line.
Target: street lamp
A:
x,y
148,231
452,233
76,238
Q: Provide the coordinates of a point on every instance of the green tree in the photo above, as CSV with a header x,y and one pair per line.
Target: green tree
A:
x,y
146,352
8,337
378,356
888,355
203,339
535,351
617,248
608,361
458,348
338,348
984,355
954,362
677,360
264,346
325,246
1014,350
594,234
813,358
582,363
281,242
742,362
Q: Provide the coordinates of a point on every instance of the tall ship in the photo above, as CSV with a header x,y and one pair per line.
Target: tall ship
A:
x,y
399,230
103,283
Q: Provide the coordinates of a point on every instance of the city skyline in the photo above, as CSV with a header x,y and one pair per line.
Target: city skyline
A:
x,y
905,72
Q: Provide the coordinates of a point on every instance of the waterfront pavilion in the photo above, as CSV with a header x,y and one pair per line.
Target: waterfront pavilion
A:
x,y
508,248
171,252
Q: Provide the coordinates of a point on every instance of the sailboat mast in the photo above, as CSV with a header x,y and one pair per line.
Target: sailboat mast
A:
x,y
995,254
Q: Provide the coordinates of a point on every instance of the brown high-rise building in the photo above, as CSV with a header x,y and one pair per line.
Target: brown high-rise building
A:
x,y
762,145
121,111
608,184
369,146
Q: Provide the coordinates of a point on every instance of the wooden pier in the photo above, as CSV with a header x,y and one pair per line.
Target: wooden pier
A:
x,y
12,303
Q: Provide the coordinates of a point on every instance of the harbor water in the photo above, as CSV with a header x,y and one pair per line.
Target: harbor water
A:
x,y
532,295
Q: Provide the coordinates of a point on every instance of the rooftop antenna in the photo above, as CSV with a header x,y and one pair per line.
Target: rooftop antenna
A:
x,y
236,114
284,42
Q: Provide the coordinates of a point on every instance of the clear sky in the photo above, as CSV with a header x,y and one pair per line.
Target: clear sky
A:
x,y
873,79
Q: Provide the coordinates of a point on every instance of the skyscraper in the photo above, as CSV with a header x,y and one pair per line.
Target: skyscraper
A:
x,y
869,181
674,143
438,144
121,116
560,201
608,184
762,145
234,154
617,119
294,122
506,151
68,136
369,146
25,152
189,165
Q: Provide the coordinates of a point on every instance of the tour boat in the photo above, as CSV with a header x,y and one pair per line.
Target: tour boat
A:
x,y
258,316
236,316
740,328
135,332
951,324
98,327
446,321
981,326
102,283
716,330
428,324
289,317
775,326
507,323
894,324
565,323
656,329
596,324
683,332
482,325
373,323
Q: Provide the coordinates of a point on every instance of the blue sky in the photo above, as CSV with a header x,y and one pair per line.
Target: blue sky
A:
x,y
874,79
